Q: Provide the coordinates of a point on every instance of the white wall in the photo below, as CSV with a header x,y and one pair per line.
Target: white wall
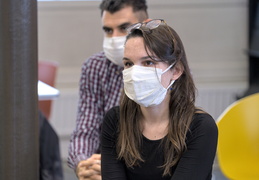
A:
x,y
214,33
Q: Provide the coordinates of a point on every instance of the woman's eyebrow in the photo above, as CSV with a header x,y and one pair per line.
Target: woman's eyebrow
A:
x,y
125,59
143,58
149,58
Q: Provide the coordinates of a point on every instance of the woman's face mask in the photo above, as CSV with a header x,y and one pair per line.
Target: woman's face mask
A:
x,y
143,85
113,48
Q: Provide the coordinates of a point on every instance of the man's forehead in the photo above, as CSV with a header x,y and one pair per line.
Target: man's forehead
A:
x,y
125,15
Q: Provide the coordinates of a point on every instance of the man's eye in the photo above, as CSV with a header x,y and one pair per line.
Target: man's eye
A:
x,y
123,29
107,31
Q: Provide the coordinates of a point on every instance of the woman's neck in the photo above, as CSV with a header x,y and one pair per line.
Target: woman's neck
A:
x,y
155,121
154,114
158,113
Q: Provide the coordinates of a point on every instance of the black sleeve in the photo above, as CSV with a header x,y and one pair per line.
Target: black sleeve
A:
x,y
196,162
111,167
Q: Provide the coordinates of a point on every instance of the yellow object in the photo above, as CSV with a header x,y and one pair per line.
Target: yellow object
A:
x,y
238,141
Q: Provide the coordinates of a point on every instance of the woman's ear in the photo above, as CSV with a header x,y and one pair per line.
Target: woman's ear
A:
x,y
177,71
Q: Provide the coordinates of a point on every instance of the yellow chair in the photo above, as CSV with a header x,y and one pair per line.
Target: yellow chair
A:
x,y
238,141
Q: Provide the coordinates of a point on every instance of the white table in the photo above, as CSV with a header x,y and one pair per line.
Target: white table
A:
x,y
46,92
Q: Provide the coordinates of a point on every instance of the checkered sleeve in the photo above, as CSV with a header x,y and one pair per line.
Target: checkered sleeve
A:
x,y
99,91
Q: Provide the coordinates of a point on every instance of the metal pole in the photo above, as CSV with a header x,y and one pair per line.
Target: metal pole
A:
x,y
19,129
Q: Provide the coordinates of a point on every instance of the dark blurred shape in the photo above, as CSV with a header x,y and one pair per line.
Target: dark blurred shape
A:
x,y
253,54
50,158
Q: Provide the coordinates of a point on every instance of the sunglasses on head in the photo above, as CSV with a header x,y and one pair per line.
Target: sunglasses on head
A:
x,y
149,25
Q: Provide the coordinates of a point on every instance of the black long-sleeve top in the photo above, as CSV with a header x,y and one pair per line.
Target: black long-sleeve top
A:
x,y
195,163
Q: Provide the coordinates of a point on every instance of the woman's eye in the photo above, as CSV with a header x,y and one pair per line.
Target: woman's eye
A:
x,y
127,64
148,63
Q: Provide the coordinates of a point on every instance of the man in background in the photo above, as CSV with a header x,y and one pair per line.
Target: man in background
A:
x,y
101,85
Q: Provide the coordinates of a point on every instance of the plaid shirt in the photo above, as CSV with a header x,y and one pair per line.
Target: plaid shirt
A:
x,y
100,89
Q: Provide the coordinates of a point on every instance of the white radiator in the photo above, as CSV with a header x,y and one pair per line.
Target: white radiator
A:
x,y
63,113
63,118
216,100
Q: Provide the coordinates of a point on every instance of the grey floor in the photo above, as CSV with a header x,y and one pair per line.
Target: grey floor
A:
x,y
70,175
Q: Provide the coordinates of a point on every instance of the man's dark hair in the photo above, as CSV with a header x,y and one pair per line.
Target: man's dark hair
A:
x,y
113,6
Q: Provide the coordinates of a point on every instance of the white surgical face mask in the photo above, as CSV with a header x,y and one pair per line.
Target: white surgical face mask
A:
x,y
113,48
143,85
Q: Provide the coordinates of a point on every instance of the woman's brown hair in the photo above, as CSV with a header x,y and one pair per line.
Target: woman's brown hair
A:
x,y
163,43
